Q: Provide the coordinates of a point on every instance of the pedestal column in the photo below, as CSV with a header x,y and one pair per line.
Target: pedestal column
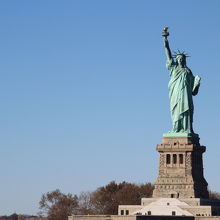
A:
x,y
180,169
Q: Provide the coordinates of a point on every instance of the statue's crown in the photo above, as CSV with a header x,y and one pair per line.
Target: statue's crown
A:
x,y
178,53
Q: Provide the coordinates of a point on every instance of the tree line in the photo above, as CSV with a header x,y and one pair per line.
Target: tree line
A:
x,y
104,200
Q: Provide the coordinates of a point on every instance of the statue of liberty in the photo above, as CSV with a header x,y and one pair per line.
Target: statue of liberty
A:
x,y
182,86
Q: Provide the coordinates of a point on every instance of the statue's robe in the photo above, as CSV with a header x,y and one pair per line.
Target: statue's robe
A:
x,y
181,88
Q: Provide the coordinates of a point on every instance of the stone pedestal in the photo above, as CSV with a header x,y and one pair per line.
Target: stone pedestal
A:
x,y
180,169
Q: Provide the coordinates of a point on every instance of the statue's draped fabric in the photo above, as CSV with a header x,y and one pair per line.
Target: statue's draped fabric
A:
x,y
181,88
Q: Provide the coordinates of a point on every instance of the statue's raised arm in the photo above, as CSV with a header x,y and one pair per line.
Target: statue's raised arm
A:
x,y
165,34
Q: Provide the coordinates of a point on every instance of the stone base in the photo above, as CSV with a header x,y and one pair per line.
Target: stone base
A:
x,y
104,217
139,217
172,206
180,169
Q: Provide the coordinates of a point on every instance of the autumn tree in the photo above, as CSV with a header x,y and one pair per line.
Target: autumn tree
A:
x,y
58,206
105,200
214,195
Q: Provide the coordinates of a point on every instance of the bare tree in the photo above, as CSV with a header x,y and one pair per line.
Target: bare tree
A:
x,y
86,206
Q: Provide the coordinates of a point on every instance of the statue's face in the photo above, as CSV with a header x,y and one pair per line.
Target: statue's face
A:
x,y
181,60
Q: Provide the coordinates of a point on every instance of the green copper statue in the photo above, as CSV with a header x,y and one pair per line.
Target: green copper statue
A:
x,y
182,86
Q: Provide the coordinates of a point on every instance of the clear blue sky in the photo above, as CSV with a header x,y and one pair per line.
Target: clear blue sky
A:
x,y
83,92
